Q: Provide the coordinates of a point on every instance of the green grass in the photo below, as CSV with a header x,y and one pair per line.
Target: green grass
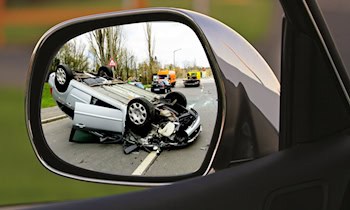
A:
x,y
63,3
147,86
47,100
23,34
23,179
249,19
185,4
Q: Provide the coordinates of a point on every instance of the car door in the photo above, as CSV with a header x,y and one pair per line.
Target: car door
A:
x,y
310,170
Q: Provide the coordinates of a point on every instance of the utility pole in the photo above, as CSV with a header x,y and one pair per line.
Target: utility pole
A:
x,y
174,55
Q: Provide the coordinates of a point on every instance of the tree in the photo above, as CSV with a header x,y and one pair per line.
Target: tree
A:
x,y
106,44
128,62
150,41
55,62
73,55
143,73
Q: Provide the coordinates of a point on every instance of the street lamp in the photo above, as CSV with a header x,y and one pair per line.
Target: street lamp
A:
x,y
174,55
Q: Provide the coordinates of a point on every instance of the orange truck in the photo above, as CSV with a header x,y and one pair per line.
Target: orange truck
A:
x,y
167,74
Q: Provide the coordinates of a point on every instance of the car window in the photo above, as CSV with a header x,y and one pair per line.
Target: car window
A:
x,y
166,82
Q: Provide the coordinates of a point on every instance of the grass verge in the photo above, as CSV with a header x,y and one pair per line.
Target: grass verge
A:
x,y
47,100
63,3
23,179
23,34
250,17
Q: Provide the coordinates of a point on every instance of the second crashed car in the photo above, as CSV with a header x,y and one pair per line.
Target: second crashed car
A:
x,y
106,107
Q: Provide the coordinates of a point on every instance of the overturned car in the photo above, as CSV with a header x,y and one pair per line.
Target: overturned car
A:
x,y
116,111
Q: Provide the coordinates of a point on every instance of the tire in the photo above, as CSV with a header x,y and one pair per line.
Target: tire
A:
x,y
105,72
179,97
62,78
140,114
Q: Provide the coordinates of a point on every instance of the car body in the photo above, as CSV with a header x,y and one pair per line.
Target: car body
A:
x,y
193,79
101,105
161,86
170,75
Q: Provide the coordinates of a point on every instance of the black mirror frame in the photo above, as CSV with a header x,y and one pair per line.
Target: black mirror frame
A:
x,y
49,45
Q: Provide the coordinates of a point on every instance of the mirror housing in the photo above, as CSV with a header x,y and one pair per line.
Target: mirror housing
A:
x,y
247,121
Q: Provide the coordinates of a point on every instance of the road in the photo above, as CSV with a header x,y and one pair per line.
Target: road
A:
x,y
110,158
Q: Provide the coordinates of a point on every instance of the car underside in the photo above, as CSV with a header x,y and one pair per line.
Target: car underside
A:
x,y
117,112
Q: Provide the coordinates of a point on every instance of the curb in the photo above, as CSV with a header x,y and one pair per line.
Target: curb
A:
x,y
52,119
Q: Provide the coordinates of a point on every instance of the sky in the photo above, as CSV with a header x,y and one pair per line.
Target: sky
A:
x,y
168,37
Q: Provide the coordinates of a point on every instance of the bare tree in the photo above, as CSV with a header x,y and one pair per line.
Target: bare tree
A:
x,y
73,55
133,66
106,44
142,72
150,40
129,62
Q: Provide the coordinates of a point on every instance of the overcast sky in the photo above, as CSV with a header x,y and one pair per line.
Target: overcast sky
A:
x,y
168,37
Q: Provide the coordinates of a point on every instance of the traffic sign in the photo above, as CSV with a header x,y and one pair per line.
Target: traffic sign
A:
x,y
112,63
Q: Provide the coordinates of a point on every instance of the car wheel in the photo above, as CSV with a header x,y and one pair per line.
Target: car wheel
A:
x,y
105,72
62,78
140,114
179,97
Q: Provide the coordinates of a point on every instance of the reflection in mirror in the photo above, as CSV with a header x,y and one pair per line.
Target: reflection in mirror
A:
x,y
137,99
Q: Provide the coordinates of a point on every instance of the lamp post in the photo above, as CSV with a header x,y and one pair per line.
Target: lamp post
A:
x,y
174,55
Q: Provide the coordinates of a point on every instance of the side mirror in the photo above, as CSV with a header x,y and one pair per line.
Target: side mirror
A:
x,y
125,111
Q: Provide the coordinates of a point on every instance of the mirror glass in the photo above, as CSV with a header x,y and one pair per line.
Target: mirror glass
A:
x,y
137,99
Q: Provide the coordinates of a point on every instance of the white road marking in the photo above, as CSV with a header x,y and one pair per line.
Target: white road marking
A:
x,y
146,163
52,119
206,103
191,106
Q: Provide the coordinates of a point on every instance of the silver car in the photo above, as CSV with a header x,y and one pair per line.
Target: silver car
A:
x,y
104,106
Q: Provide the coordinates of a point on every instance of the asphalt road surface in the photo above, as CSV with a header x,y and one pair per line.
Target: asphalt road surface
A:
x,y
110,158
